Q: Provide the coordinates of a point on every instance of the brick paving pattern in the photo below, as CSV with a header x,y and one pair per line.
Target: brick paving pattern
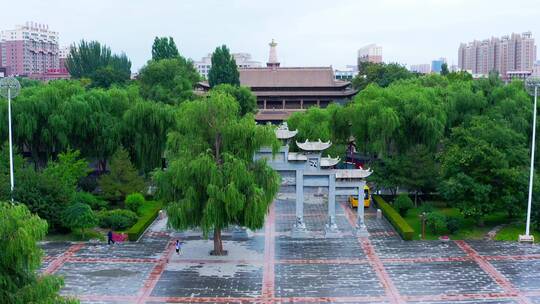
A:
x,y
272,267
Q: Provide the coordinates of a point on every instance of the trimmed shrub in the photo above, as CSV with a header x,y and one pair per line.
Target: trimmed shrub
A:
x,y
426,208
91,200
401,226
118,219
402,204
134,201
436,222
144,221
453,224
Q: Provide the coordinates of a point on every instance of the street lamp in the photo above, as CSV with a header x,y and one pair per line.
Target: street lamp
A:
x,y
531,84
10,87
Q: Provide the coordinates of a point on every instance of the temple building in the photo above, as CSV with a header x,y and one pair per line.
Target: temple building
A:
x,y
280,91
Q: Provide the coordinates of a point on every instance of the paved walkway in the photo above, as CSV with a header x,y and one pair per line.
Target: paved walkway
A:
x,y
272,267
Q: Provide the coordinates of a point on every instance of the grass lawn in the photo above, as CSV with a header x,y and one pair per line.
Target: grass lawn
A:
x,y
512,232
468,229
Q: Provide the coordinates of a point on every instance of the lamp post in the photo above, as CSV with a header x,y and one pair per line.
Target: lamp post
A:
x,y
531,84
9,88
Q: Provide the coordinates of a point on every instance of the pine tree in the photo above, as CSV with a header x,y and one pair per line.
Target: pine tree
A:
x,y
122,179
212,181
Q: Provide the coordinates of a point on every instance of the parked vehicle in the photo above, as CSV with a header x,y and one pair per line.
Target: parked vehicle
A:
x,y
353,199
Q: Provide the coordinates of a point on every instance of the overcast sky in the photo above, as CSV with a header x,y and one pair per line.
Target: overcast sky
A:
x,y
309,33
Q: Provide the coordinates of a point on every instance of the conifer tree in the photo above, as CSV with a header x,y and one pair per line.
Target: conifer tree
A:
x,y
122,179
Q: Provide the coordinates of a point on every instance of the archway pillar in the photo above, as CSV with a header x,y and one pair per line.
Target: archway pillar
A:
x,y
299,229
361,229
331,227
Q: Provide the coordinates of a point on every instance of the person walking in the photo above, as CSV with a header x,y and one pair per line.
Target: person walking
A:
x,y
178,248
110,237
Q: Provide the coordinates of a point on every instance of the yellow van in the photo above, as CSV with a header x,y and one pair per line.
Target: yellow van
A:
x,y
353,199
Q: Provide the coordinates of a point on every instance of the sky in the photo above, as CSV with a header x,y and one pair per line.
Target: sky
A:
x,y
308,32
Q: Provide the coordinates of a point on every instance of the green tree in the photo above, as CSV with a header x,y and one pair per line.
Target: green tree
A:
x,y
212,180
223,68
122,178
444,69
68,169
96,61
38,124
483,164
168,80
79,216
43,195
164,48
145,127
382,74
94,122
21,258
419,171
246,99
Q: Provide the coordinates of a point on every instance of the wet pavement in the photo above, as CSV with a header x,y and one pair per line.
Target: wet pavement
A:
x,y
271,267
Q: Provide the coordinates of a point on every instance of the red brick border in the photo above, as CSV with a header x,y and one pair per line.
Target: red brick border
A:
x,y
492,272
155,274
268,284
63,258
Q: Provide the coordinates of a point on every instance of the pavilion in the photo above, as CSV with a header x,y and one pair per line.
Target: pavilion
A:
x,y
309,169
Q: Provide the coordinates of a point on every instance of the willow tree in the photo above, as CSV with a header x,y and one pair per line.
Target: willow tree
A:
x,y
94,122
39,126
21,258
145,128
212,180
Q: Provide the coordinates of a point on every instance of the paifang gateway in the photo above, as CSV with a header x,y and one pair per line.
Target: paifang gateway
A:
x,y
281,91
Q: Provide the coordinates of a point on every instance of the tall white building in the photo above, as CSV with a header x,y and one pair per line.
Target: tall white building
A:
x,y
370,53
424,68
243,60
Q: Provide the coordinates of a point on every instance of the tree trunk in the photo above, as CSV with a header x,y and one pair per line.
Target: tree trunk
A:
x,y
218,244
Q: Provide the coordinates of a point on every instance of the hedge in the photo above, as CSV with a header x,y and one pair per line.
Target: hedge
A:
x,y
149,211
402,227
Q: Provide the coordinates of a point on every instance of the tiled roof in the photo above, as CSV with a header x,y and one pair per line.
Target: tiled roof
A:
x,y
290,77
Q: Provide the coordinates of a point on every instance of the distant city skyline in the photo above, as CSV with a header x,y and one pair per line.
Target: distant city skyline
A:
x,y
317,34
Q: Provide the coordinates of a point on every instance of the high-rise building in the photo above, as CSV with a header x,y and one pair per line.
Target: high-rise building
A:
x,y
424,68
370,53
30,49
243,60
514,53
436,65
63,53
